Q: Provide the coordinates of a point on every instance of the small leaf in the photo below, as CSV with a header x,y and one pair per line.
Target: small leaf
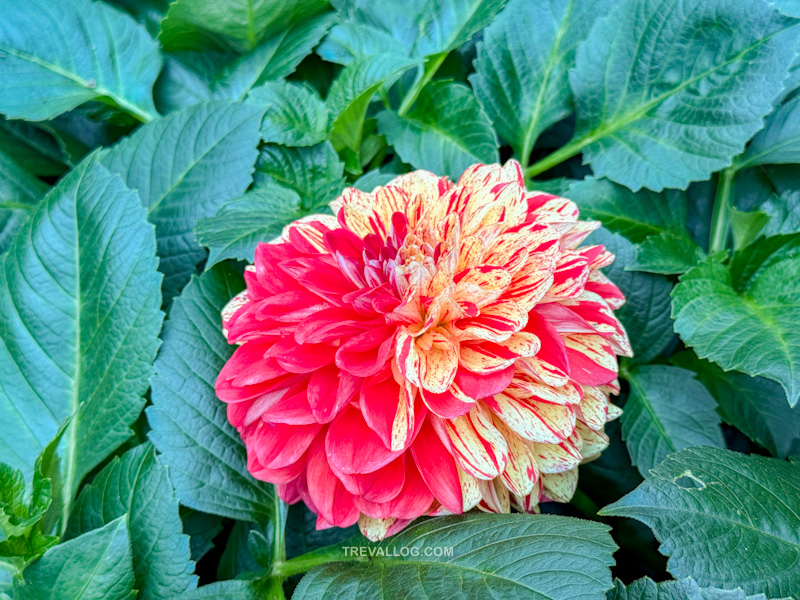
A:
x,y
36,151
205,456
315,173
137,486
348,42
209,150
672,94
94,565
746,226
79,312
237,25
745,317
682,589
295,115
445,132
754,405
493,556
667,253
783,212
779,141
690,502
19,192
521,78
226,590
369,181
201,528
101,53
240,225
667,410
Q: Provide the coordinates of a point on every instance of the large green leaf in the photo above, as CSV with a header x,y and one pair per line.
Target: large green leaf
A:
x,y
79,318
779,141
352,91
33,149
645,313
57,55
745,317
137,486
226,590
754,405
681,589
237,25
667,410
348,42
783,212
667,253
295,115
201,528
185,166
239,226
445,132
723,518
668,91
19,191
193,77
315,173
94,566
491,556
206,458
522,65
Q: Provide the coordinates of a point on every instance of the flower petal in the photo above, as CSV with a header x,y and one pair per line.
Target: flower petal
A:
x,y
477,445
429,361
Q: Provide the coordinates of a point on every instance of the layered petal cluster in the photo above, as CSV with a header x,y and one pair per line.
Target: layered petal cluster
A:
x,y
429,349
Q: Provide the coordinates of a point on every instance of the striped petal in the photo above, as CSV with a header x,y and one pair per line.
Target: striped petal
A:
x,y
495,323
477,445
535,421
560,486
429,361
591,359
557,458
521,472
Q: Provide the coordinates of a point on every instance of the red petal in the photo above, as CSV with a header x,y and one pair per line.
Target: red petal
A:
x,y
329,496
352,447
438,468
365,354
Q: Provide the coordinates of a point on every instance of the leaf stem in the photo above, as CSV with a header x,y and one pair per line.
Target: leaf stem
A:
x,y
720,217
279,530
308,561
429,70
562,154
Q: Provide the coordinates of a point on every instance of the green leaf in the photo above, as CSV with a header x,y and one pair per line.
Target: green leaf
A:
x,y
493,556
148,12
746,226
79,312
745,317
784,213
303,536
295,115
205,456
779,141
445,132
101,54
185,166
667,253
348,42
646,312
723,518
667,410
226,590
240,225
352,91
521,77
193,77
201,529
19,192
315,173
682,589
237,25
669,91
94,566
34,150
137,486
369,181
754,405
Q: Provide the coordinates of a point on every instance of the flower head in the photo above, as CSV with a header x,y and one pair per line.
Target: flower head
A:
x,y
429,349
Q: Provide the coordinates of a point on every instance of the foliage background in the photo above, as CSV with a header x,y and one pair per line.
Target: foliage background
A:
x,y
146,147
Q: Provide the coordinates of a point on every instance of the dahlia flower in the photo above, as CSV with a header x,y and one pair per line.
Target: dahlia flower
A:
x,y
429,349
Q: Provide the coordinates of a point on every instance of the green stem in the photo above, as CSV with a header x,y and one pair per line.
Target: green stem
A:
x,y
565,152
720,217
431,66
308,561
279,530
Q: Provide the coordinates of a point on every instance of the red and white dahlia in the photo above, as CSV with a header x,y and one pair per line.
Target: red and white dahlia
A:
x,y
429,349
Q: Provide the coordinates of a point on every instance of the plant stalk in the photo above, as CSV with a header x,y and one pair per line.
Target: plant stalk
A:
x,y
429,70
720,217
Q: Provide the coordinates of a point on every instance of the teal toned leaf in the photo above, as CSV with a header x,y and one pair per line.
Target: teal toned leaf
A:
x,y
193,77
303,536
369,181
352,91
745,317
493,556
206,459
34,150
667,253
185,166
19,192
226,590
667,410
682,589
347,42
646,312
445,132
522,64
295,115
746,226
315,173
754,405
779,141
201,528
237,25
723,518
80,318
669,91
148,12
783,212
788,7
137,485
94,566
258,216
101,53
